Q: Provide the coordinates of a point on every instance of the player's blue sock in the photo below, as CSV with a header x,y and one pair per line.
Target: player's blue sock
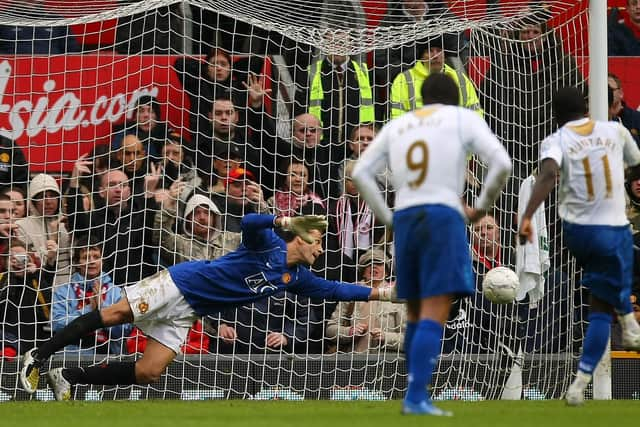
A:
x,y
424,353
409,333
595,341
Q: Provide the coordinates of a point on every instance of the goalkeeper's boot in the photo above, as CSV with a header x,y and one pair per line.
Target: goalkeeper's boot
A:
x,y
631,341
424,408
30,372
60,386
575,395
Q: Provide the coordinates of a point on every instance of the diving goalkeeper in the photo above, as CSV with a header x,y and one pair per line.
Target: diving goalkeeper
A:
x,y
166,304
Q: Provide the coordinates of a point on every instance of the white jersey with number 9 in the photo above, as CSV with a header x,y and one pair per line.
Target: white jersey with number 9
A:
x,y
591,156
428,151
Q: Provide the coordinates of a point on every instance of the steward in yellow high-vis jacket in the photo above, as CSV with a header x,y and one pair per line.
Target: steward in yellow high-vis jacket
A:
x,y
405,91
340,96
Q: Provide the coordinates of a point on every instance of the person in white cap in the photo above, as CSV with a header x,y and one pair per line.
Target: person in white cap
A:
x,y
369,325
44,228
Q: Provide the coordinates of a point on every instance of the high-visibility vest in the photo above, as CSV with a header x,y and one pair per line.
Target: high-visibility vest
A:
x,y
406,90
316,94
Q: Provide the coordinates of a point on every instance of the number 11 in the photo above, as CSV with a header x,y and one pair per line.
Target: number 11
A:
x,y
588,176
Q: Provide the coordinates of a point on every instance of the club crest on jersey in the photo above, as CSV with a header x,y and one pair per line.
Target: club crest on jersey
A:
x,y
259,284
286,278
143,307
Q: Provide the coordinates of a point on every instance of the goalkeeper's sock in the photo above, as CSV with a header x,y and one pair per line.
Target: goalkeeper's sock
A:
x,y
117,373
595,341
409,333
71,334
424,352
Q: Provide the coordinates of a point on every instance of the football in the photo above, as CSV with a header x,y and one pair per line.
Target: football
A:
x,y
500,285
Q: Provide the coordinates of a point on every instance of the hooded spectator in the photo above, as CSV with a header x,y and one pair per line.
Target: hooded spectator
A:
x,y
199,235
44,229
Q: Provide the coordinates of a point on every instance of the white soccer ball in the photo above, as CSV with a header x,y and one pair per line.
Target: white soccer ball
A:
x,y
500,285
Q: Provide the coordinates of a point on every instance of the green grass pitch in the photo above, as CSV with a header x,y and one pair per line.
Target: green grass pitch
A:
x,y
311,414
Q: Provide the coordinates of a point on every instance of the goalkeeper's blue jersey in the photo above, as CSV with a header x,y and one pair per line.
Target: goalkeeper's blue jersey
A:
x,y
256,270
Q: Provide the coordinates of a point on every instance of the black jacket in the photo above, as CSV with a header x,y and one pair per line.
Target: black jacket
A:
x,y
25,307
283,313
13,165
516,96
128,251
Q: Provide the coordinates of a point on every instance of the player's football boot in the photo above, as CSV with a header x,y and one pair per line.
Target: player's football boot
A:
x,y
424,408
30,372
60,386
575,395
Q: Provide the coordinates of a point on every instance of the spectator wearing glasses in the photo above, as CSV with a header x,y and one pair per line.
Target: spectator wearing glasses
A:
x,y
620,111
123,220
304,144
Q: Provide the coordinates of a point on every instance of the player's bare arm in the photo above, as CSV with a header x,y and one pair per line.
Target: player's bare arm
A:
x,y
544,184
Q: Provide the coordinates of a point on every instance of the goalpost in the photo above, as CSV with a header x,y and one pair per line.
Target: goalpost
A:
x,y
83,69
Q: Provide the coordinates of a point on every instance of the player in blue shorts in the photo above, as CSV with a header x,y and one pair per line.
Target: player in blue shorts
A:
x,y
427,151
166,304
590,156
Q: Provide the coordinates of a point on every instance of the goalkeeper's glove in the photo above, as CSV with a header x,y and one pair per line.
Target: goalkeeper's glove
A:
x,y
389,293
302,225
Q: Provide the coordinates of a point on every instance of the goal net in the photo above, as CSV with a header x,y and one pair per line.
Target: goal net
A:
x,y
159,124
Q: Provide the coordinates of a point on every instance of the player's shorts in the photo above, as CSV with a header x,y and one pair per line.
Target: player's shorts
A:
x,y
160,310
432,252
605,254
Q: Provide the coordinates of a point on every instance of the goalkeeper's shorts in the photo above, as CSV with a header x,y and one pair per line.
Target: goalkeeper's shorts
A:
x,y
432,252
160,310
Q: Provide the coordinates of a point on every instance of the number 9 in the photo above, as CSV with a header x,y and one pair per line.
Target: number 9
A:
x,y
419,165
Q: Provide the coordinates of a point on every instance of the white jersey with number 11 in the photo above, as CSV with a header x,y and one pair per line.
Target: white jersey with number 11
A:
x,y
591,155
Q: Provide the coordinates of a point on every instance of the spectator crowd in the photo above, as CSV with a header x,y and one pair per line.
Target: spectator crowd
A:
x,y
156,196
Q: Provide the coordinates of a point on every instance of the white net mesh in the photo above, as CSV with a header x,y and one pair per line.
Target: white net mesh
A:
x,y
239,102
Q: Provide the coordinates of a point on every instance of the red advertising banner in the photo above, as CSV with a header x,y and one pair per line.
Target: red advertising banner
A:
x,y
59,107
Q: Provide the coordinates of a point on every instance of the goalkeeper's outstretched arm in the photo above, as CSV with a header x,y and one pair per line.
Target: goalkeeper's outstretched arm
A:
x,y
313,286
